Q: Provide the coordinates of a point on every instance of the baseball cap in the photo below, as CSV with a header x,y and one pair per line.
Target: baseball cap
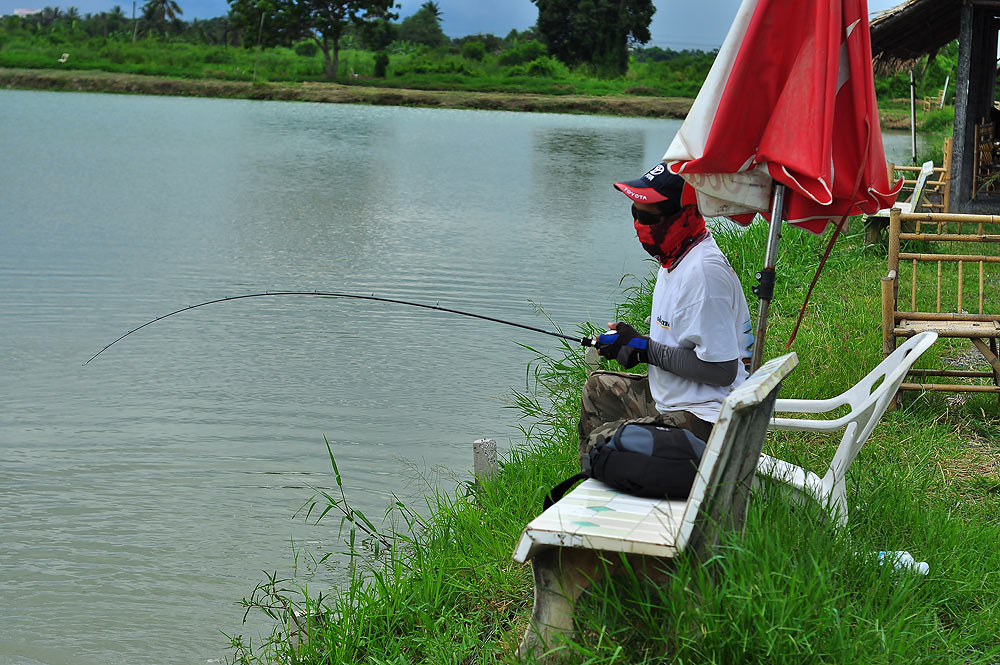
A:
x,y
656,186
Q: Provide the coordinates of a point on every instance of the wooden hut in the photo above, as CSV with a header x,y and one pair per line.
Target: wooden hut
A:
x,y
919,27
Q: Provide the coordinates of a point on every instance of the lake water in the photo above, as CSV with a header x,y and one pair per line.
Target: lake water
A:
x,y
142,495
898,146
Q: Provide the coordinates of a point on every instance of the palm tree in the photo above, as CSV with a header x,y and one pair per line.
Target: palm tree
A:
x,y
163,9
70,18
114,20
432,7
49,16
160,11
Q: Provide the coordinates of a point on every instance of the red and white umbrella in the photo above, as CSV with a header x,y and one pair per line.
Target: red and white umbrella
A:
x,y
789,101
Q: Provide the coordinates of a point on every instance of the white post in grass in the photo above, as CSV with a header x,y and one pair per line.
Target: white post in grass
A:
x,y
484,458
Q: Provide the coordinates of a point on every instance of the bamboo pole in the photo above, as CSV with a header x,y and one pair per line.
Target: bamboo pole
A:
x,y
978,333
981,264
950,237
951,217
938,286
894,252
958,373
960,264
950,387
949,258
946,201
944,316
888,314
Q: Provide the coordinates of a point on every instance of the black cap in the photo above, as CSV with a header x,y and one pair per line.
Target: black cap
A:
x,y
658,185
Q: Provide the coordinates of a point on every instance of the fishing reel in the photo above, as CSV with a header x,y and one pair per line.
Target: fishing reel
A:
x,y
611,337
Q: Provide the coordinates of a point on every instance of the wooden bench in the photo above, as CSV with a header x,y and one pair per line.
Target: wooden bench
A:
x,y
594,525
943,293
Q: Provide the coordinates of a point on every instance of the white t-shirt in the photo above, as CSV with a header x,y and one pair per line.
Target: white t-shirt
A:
x,y
699,305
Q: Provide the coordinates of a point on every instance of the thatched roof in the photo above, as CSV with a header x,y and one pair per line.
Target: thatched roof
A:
x,y
913,29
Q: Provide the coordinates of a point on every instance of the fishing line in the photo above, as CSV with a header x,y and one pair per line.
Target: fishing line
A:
x,y
584,341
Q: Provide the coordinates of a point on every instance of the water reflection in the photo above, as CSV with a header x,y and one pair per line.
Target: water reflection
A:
x,y
568,169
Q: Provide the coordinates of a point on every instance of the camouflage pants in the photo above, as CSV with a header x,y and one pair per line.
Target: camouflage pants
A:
x,y
611,399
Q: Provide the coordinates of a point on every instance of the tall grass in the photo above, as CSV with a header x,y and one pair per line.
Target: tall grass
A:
x,y
791,588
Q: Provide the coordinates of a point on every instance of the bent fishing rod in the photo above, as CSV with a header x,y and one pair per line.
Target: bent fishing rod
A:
x,y
606,338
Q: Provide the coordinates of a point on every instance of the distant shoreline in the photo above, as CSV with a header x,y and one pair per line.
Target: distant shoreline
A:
x,y
98,81
336,93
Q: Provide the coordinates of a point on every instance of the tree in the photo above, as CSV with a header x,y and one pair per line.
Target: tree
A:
x,y
473,50
424,26
598,32
115,20
491,43
71,18
48,16
377,35
284,22
432,7
161,11
109,22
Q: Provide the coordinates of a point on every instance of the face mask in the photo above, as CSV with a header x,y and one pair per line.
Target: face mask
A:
x,y
668,240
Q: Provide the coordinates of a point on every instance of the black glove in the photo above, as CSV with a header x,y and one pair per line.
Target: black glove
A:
x,y
628,356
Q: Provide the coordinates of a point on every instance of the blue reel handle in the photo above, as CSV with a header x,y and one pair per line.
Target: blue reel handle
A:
x,y
610,337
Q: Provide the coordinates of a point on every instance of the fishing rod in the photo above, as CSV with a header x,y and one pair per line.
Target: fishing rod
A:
x,y
606,338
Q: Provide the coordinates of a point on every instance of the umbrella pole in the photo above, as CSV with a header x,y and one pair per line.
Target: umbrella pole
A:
x,y
764,290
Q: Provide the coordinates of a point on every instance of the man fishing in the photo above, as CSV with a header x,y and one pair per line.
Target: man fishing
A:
x,y
700,329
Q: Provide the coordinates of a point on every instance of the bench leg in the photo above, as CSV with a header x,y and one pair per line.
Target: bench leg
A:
x,y
561,575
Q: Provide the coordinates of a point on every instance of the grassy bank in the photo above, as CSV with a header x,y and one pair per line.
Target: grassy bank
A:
x,y
791,588
310,91
511,65
516,79
633,104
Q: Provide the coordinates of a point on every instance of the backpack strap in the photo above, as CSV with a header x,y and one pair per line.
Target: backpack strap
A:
x,y
560,490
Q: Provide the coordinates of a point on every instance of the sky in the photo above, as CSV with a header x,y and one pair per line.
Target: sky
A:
x,y
677,24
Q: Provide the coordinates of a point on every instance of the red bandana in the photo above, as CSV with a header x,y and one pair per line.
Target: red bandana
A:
x,y
669,240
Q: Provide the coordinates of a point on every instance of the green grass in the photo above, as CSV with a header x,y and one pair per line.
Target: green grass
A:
x,y
790,589
412,68
156,58
193,51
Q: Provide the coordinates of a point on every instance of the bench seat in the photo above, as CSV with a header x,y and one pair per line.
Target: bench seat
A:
x,y
598,517
570,542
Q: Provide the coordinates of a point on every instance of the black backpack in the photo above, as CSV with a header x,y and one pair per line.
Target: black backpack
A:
x,y
644,459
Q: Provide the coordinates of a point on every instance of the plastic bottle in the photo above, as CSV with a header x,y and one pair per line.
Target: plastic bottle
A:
x,y
902,560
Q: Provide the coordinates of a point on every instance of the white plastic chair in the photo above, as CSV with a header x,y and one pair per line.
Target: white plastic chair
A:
x,y
868,400
913,203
